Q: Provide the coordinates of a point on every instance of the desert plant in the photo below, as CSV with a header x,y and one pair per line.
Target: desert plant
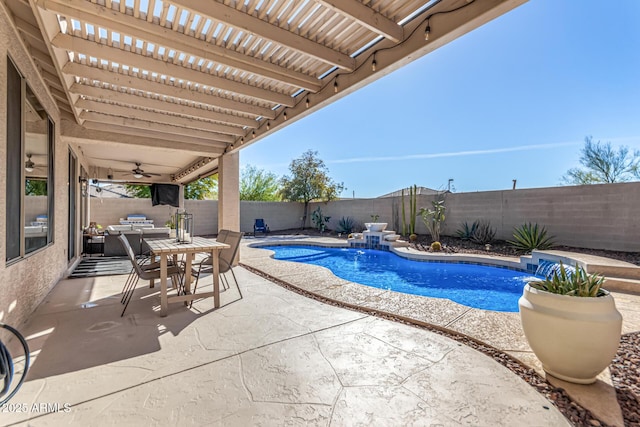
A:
x,y
436,246
346,225
319,219
483,233
374,217
404,216
413,237
413,203
433,218
465,232
529,236
577,284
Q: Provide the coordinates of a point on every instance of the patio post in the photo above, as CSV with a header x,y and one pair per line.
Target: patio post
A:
x,y
229,192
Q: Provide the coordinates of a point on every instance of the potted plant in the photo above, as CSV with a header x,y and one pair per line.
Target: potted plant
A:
x,y
171,224
571,323
374,225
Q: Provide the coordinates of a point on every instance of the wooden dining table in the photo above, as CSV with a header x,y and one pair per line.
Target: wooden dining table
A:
x,y
169,247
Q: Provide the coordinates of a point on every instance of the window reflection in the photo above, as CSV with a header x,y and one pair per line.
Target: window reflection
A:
x,y
36,172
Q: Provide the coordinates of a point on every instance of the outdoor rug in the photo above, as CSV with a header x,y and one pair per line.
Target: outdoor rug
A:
x,y
101,266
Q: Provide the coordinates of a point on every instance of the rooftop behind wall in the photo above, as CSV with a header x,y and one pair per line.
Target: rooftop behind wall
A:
x,y
600,216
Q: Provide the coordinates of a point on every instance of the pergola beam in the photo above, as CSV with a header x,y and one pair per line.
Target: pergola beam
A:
x,y
217,139
122,80
98,133
152,33
158,105
367,17
264,29
113,54
138,114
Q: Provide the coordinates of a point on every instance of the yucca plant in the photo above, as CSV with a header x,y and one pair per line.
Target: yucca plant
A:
x,y
578,284
466,231
529,236
483,233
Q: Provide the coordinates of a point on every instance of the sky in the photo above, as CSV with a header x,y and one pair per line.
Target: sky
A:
x,y
513,99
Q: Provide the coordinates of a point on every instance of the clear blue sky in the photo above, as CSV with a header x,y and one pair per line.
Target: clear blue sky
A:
x,y
513,99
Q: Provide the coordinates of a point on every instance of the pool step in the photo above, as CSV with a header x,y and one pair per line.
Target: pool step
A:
x,y
617,284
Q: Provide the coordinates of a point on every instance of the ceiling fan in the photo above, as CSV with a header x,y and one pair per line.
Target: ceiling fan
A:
x,y
139,173
29,165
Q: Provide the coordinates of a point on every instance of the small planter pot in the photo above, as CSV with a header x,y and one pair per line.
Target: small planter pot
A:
x,y
575,338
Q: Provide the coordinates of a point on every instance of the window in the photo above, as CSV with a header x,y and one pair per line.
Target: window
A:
x,y
29,191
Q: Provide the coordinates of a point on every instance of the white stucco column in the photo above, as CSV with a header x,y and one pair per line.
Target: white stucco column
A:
x,y
229,192
181,197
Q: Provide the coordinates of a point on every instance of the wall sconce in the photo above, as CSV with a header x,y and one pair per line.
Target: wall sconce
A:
x,y
84,183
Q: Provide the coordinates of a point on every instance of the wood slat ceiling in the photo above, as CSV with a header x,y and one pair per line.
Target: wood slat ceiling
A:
x,y
224,73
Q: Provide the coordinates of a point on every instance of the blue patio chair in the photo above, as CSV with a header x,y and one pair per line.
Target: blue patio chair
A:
x,y
260,227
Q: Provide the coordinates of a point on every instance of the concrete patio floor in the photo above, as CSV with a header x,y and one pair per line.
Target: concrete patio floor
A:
x,y
501,330
271,358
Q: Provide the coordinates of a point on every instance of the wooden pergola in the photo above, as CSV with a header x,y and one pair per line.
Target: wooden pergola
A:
x,y
177,84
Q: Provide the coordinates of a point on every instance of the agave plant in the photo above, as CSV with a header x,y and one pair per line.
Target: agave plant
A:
x,y
529,237
578,284
465,232
483,233
346,225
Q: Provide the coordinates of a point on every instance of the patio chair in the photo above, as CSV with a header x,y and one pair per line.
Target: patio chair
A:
x,y
260,226
145,272
225,261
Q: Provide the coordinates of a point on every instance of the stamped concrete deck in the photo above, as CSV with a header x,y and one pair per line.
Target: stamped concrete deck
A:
x,y
498,329
271,358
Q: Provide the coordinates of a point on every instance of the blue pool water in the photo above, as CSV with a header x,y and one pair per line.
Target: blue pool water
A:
x,y
479,286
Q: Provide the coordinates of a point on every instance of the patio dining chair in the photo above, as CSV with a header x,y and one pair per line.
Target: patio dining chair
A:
x,y
145,272
260,226
225,261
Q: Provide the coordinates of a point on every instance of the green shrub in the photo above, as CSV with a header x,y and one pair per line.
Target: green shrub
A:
x,y
483,233
578,284
465,232
528,237
320,220
346,225
433,218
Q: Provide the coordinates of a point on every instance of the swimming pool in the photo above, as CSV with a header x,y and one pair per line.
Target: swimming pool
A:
x,y
479,286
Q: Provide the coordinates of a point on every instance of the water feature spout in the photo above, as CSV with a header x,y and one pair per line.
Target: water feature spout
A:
x,y
547,268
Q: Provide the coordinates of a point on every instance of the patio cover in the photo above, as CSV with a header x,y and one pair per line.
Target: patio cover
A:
x,y
137,79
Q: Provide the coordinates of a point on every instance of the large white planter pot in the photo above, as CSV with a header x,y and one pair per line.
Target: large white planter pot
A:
x,y
575,338
375,226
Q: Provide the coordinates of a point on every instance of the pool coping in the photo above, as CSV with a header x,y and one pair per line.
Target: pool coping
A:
x,y
500,330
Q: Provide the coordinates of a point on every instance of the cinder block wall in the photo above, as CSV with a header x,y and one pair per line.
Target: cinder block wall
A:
x,y
590,216
277,215
34,206
205,215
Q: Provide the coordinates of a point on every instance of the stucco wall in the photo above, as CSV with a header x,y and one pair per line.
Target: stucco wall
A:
x,y
24,283
591,216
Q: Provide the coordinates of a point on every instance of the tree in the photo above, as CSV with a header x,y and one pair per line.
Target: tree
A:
x,y
258,185
138,191
603,164
203,188
309,181
35,187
